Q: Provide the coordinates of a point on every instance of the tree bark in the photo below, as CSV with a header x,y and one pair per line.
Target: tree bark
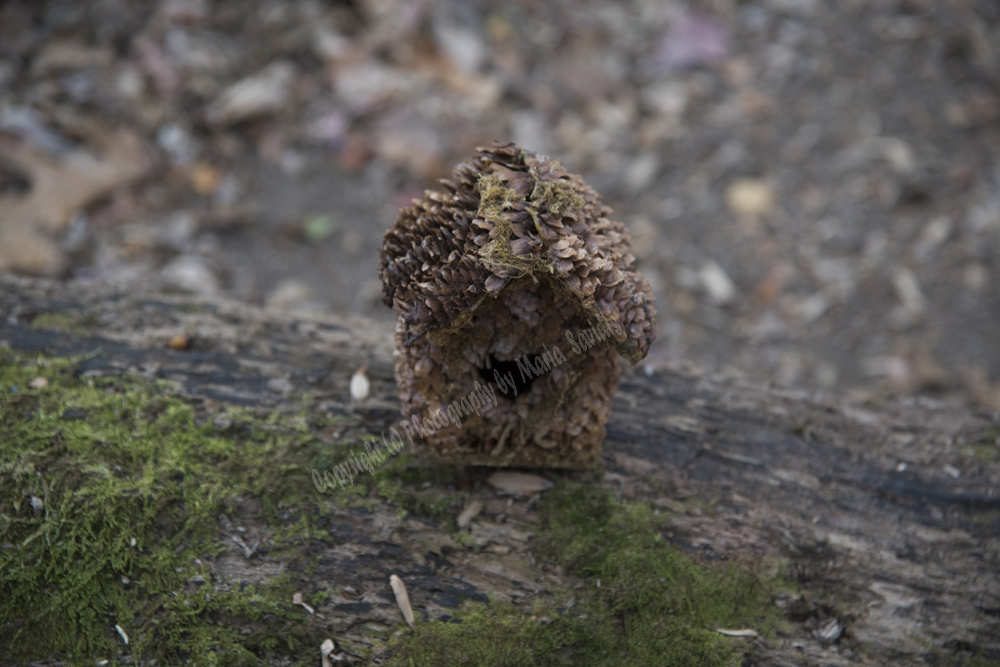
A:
x,y
888,514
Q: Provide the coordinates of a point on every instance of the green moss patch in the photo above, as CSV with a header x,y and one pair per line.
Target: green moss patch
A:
x,y
114,501
75,323
643,602
110,496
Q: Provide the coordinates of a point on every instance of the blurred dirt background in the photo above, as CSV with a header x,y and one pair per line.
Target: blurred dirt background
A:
x,y
812,186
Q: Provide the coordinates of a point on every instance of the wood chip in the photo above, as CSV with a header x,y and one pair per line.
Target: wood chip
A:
x,y
297,599
325,649
830,632
518,483
745,632
180,342
248,551
360,385
402,599
469,513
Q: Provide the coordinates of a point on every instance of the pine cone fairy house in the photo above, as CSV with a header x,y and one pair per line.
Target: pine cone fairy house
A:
x,y
514,294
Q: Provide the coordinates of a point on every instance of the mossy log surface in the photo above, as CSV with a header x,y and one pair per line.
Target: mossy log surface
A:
x,y
882,521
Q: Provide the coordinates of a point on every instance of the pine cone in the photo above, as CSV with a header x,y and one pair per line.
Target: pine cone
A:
x,y
513,279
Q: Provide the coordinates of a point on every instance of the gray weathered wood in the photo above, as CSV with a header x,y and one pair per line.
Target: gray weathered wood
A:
x,y
863,502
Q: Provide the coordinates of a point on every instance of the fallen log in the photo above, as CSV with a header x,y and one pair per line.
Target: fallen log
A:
x,y
882,520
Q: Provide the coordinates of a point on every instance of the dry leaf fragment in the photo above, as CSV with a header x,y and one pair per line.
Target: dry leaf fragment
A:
x,y
69,55
402,599
518,483
59,187
259,94
469,513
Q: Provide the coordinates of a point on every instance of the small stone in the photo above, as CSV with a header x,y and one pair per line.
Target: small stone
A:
x,y
409,139
812,308
177,143
178,230
909,292
362,84
190,274
750,197
530,128
222,421
716,282
692,39
899,155
641,172
463,46
205,178
280,385
289,294
933,235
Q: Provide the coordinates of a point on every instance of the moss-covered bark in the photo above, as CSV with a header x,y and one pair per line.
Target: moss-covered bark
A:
x,y
113,492
215,445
